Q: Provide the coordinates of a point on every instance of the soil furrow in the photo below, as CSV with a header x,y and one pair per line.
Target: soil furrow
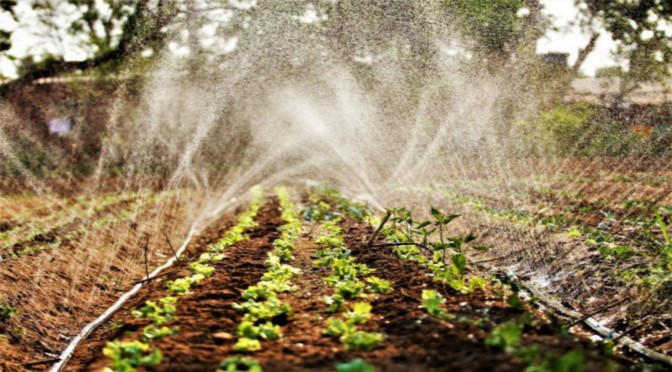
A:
x,y
205,318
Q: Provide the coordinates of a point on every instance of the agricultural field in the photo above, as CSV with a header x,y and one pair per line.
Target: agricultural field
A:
x,y
599,232
300,278
335,185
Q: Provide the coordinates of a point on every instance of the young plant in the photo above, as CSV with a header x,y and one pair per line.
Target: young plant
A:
x,y
360,313
378,285
506,336
356,365
432,302
183,285
160,313
126,356
247,345
239,364
360,340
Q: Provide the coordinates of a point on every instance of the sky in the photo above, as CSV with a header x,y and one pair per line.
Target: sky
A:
x,y
571,38
562,12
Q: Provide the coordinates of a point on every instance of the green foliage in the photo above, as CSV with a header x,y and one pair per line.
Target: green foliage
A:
x,y
266,331
432,302
7,312
572,361
266,289
201,269
160,313
493,24
507,336
126,356
266,310
349,289
564,126
378,285
621,252
404,230
360,340
356,365
334,303
239,364
183,285
360,313
639,30
152,332
247,345
338,327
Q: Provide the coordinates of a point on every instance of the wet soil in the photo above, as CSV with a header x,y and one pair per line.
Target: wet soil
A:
x,y
56,292
413,340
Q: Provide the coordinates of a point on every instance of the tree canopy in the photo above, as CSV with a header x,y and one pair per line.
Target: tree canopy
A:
x,y
111,31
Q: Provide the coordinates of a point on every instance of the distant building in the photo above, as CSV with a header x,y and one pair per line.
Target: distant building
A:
x,y
558,59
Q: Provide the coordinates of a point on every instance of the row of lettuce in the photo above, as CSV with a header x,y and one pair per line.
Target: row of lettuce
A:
x,y
127,355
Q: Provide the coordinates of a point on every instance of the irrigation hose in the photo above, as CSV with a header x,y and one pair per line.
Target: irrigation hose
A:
x,y
89,328
589,321
594,324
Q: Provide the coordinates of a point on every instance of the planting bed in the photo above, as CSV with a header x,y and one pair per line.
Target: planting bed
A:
x,y
397,329
54,282
590,235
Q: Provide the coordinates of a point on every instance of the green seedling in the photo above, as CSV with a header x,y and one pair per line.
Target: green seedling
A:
x,y
247,345
239,364
152,332
356,365
127,356
360,313
266,310
183,285
265,331
338,327
360,340
160,313
350,289
506,336
432,302
202,269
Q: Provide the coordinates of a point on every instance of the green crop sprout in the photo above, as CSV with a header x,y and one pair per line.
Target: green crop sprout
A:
x,y
126,356
239,364
247,344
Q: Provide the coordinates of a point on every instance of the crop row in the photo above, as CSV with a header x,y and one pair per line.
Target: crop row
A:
x,y
96,225
126,356
43,226
264,312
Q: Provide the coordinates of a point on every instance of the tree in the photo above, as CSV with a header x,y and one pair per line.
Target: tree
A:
x,y
6,6
642,32
108,31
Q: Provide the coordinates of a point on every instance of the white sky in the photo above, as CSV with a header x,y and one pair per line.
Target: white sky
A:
x,y
563,12
570,39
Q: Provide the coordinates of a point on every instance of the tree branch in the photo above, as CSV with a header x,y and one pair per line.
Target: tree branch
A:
x,y
140,30
585,52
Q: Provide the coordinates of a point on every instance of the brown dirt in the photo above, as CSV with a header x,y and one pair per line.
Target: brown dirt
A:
x,y
58,291
203,315
414,341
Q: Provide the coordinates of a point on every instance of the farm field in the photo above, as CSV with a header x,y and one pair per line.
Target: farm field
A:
x,y
591,234
291,282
